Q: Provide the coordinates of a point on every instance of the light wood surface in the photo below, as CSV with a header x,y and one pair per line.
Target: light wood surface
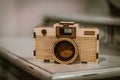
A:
x,y
86,45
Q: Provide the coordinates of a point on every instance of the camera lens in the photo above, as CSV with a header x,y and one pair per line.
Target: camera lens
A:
x,y
64,50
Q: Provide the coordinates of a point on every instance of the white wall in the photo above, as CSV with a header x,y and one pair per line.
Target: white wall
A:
x,y
32,12
18,17
8,18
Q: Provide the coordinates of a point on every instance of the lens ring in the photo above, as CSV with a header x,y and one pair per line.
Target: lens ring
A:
x,y
65,51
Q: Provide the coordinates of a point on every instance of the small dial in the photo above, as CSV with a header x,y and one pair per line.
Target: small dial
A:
x,y
44,32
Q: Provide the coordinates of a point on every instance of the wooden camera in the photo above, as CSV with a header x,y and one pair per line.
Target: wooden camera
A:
x,y
66,43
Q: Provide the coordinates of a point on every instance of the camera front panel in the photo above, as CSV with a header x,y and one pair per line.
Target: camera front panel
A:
x,y
67,43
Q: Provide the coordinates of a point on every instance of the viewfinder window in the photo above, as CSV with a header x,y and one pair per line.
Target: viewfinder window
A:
x,y
65,31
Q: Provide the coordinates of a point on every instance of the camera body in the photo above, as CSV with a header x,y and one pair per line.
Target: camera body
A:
x,y
66,43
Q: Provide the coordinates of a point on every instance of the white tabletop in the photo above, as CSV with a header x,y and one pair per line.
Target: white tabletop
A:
x,y
23,49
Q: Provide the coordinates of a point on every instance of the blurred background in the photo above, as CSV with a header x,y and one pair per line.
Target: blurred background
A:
x,y
19,17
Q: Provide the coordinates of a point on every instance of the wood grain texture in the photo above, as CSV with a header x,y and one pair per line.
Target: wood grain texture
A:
x,y
86,45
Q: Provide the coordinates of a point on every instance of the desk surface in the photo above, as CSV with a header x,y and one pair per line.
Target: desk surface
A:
x,y
20,52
